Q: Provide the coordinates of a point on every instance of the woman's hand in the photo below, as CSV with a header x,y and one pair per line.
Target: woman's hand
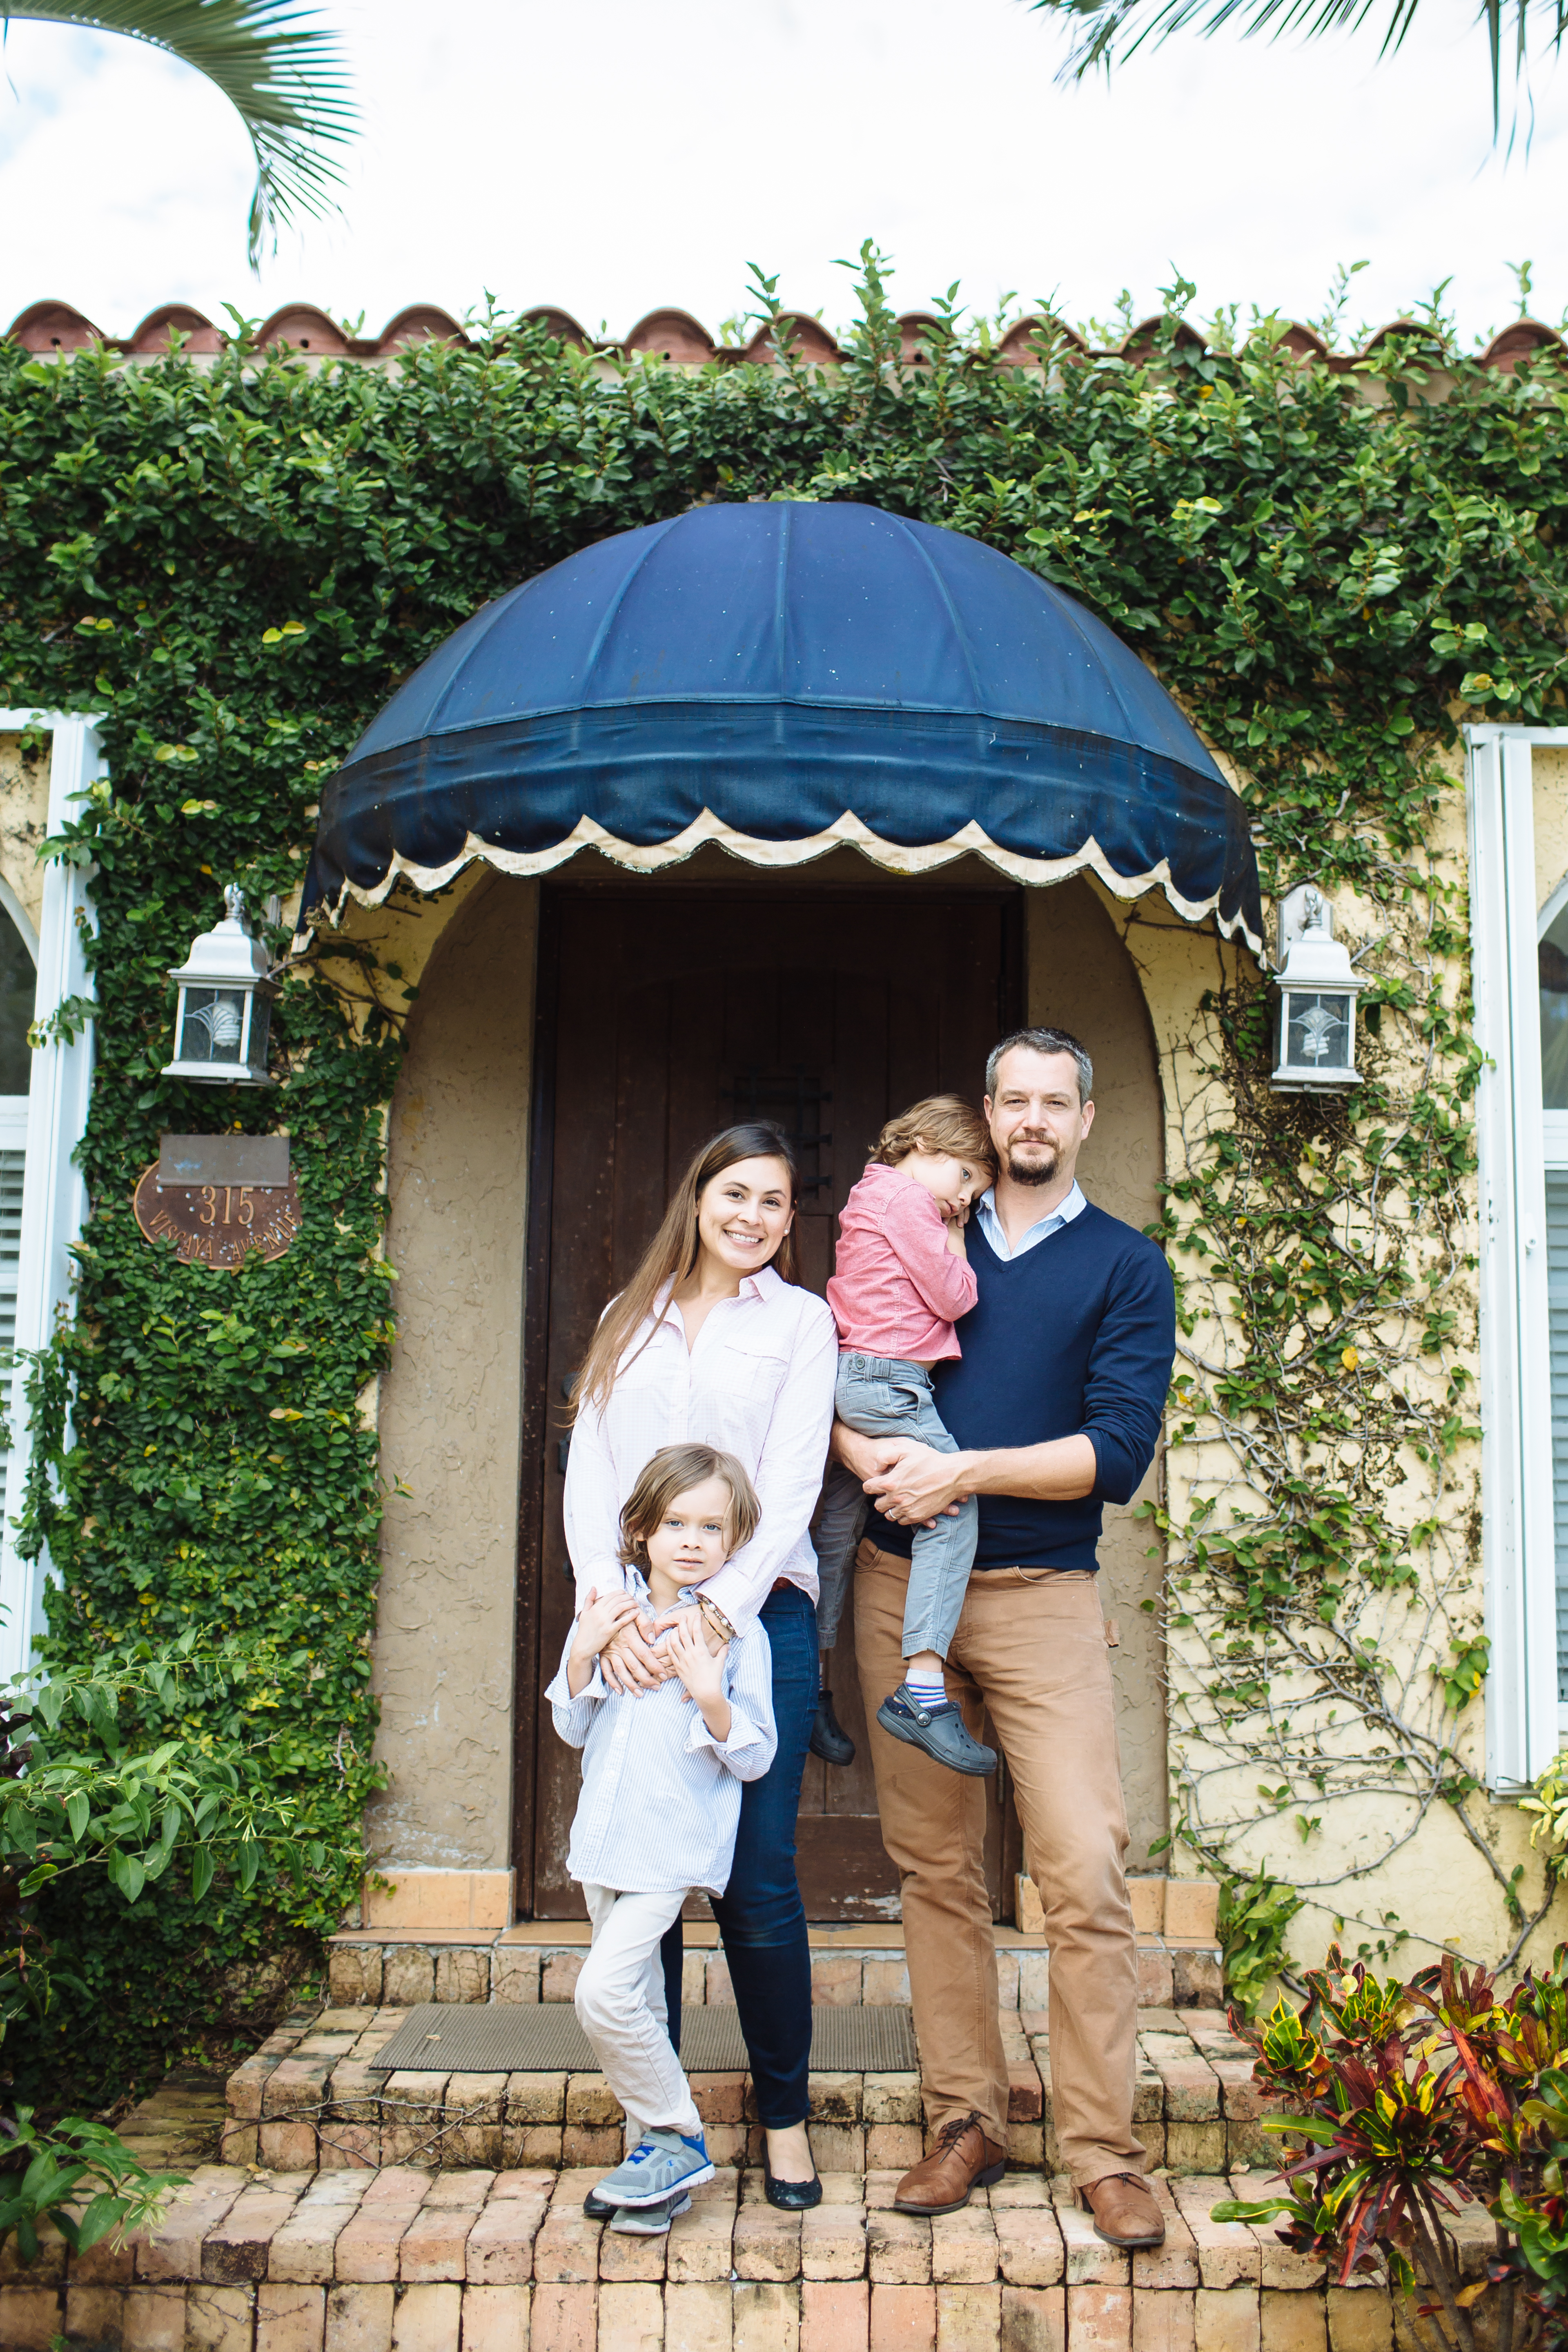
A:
x,y
699,1669
717,1642
629,1663
599,1622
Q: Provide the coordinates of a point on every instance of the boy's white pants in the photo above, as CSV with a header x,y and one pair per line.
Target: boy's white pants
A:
x,y
620,2004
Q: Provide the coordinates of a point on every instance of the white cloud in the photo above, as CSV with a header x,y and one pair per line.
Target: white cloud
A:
x,y
617,158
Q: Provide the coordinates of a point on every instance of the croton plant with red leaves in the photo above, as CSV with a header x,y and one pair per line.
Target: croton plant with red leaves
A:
x,y
1402,2103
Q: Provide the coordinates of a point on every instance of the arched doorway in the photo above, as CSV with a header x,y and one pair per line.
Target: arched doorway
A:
x,y
779,786
664,1005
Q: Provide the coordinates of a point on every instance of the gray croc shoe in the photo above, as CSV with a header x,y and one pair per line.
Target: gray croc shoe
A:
x,y
650,2221
939,1730
660,2165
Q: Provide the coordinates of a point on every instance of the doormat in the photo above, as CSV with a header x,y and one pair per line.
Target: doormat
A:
x,y
544,2037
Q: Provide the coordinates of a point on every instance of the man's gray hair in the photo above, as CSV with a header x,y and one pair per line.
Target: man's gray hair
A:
x,y
1043,1041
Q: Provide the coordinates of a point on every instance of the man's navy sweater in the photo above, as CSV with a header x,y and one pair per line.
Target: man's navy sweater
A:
x,y
1077,1335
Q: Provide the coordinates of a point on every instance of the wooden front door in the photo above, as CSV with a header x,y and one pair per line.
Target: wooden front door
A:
x,y
666,1014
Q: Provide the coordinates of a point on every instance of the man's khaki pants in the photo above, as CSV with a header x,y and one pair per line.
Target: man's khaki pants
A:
x,y
1031,1650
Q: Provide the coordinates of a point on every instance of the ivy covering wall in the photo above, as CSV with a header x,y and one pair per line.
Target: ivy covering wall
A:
x,y
238,562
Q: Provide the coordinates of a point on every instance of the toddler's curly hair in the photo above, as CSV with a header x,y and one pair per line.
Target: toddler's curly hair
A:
x,y
939,1123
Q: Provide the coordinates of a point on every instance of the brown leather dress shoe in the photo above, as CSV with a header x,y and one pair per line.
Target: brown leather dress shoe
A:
x,y
962,2158
1125,2211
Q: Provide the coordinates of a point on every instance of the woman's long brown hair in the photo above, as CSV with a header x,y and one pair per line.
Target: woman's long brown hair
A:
x,y
673,1251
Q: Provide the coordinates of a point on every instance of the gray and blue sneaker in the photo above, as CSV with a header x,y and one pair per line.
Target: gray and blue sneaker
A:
x,y
662,2163
940,1731
650,2221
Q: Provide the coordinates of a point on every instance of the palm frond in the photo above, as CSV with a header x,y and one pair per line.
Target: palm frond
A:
x,y
284,76
1107,31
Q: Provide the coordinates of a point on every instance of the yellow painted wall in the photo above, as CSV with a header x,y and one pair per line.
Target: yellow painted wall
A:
x,y
1428,1878
24,820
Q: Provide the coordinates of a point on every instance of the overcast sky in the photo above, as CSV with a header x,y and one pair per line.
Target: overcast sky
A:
x,y
612,157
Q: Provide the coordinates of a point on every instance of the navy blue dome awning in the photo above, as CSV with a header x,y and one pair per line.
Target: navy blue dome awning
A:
x,y
780,678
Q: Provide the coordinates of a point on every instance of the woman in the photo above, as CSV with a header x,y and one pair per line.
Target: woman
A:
x,y
713,1340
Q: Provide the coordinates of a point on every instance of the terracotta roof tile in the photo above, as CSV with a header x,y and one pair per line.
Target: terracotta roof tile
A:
x,y
1521,342
53,327
304,328
1016,347
674,335
919,335
1303,343
1423,336
175,318
808,339
422,322
561,325
1141,342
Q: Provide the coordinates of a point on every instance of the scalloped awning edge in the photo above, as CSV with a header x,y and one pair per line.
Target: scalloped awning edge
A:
x,y
847,831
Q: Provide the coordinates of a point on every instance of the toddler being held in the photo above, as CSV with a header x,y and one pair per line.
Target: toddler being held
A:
x,y
902,1279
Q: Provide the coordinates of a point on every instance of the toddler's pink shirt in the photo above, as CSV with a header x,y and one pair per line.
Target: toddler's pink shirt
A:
x,y
899,1289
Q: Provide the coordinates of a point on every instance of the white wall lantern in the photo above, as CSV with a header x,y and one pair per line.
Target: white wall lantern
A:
x,y
1317,991
225,1004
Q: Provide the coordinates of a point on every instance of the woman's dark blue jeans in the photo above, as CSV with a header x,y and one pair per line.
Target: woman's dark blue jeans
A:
x,y
761,1916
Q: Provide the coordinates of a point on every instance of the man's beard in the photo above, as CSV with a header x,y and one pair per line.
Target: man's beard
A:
x,y
1032,1172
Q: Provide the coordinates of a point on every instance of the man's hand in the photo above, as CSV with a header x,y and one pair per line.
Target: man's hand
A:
x,y
919,1485
876,1462
629,1663
867,1458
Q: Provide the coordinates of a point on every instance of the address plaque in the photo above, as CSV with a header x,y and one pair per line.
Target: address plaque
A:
x,y
218,1224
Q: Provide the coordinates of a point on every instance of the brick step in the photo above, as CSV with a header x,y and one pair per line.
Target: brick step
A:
x,y
310,2100
372,1968
404,2260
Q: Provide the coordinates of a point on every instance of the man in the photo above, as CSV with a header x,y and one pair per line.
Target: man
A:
x,y
1055,1408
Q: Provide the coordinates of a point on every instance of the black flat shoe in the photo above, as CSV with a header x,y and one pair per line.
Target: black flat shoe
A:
x,y
790,2196
596,2208
828,1737
940,1731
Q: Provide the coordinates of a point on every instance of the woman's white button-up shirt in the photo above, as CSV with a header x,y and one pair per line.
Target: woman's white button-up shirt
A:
x,y
661,1797
758,1384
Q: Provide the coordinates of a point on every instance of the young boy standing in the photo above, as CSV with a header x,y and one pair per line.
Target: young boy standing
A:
x,y
660,1802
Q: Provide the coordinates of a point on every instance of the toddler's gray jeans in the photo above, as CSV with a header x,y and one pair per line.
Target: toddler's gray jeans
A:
x,y
883,1396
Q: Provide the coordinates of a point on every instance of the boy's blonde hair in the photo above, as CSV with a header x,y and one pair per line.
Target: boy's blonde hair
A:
x,y
940,1123
674,1470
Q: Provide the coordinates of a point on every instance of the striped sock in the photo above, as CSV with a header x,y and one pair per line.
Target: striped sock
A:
x,y
928,1694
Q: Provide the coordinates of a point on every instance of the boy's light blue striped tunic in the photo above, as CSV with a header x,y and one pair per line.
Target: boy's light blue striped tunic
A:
x,y
661,1797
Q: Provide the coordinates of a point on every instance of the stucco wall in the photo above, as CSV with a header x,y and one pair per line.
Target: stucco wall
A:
x,y
451,1404
1437,1889
1549,775
24,820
